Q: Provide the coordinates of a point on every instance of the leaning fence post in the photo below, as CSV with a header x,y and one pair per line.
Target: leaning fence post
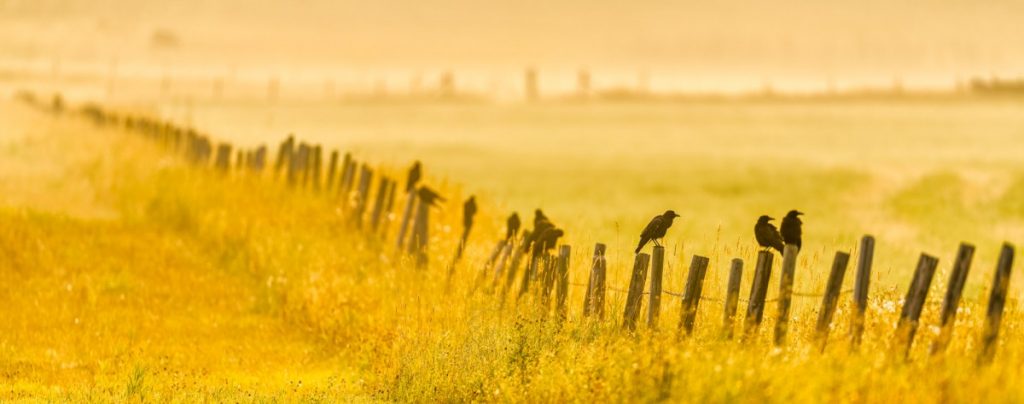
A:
x,y
913,304
593,301
657,273
828,302
636,291
692,293
562,296
860,289
345,182
413,177
996,301
332,168
513,267
378,203
785,292
758,292
954,289
732,297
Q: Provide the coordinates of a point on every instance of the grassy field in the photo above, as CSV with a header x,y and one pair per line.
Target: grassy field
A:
x,y
129,275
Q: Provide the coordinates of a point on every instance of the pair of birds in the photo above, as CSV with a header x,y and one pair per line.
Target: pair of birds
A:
x,y
770,237
766,234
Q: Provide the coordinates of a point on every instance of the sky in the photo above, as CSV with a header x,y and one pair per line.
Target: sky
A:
x,y
702,45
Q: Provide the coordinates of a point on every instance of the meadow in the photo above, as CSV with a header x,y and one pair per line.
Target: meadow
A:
x,y
131,275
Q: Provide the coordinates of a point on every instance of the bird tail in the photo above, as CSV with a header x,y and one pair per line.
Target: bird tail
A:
x,y
640,246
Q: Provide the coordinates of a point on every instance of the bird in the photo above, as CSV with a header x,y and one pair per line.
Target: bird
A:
x,y
791,231
656,229
546,240
540,225
428,196
767,235
468,211
512,226
415,172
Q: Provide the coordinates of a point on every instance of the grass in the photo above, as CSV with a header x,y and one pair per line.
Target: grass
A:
x,y
133,277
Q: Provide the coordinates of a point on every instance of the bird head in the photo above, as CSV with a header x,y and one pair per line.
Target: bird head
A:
x,y
794,213
670,214
765,219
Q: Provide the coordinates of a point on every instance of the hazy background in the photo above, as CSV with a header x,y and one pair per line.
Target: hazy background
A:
x,y
724,46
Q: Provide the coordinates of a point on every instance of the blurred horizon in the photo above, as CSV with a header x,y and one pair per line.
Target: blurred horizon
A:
x,y
387,46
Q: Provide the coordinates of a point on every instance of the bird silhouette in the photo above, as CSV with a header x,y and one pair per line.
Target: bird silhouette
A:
x,y
512,227
656,229
791,228
468,211
540,225
546,240
428,196
767,235
415,172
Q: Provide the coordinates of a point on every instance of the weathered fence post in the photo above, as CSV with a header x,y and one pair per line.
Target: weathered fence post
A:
x,y
365,178
284,155
913,304
593,301
732,297
389,203
223,160
957,279
316,165
758,292
332,168
996,301
636,292
548,280
785,292
828,302
347,173
866,254
418,239
513,268
378,203
562,297
692,293
657,274
410,191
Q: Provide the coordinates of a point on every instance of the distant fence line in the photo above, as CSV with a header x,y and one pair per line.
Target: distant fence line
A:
x,y
299,165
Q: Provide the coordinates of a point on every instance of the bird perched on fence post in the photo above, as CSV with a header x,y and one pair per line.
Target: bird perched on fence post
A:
x,y
540,224
656,229
512,227
791,228
767,235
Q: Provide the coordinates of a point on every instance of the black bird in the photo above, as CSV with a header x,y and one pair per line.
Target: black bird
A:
x,y
428,196
415,172
656,229
540,225
512,227
767,235
546,240
468,211
791,231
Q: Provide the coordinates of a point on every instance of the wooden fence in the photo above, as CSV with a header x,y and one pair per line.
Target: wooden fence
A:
x,y
299,165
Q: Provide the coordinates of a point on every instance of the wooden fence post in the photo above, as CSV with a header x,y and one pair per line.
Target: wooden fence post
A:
x,y
513,268
223,160
657,274
501,262
913,304
285,153
332,168
593,301
418,240
365,178
562,297
957,279
315,166
347,172
548,280
996,301
636,292
828,302
692,293
866,254
758,292
732,297
378,203
410,202
785,292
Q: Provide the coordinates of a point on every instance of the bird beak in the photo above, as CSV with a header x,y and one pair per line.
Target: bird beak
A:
x,y
798,213
771,218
